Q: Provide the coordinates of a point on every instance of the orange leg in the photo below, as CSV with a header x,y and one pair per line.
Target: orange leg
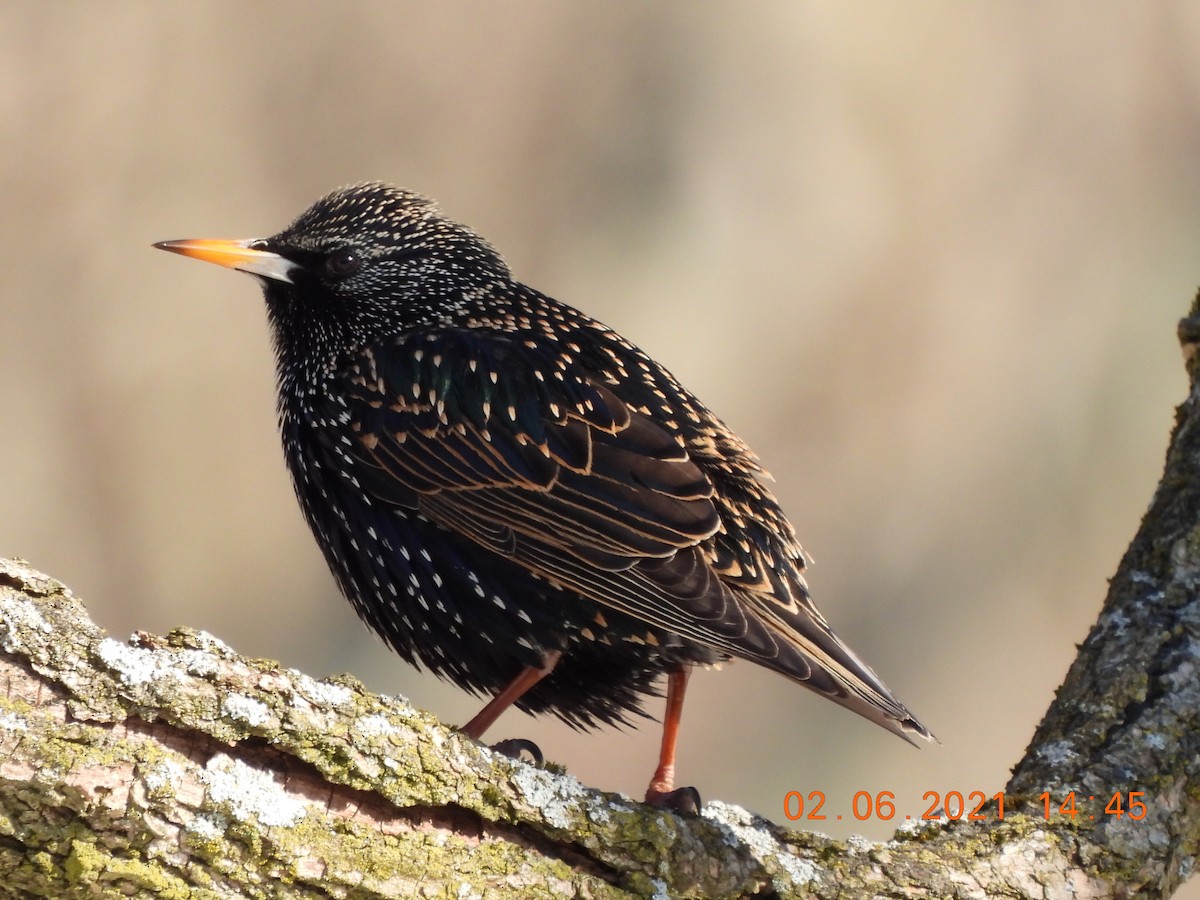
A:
x,y
662,785
516,689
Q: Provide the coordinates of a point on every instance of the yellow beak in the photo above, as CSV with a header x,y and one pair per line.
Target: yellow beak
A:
x,y
244,256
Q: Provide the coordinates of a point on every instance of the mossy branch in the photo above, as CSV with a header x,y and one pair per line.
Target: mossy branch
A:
x,y
175,767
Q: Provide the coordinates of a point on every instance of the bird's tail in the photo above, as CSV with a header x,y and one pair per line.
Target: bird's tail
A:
x,y
823,663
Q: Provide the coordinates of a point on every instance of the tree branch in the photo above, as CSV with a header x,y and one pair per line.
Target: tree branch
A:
x,y
175,766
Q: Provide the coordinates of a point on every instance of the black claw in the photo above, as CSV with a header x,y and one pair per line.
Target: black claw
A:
x,y
681,800
515,747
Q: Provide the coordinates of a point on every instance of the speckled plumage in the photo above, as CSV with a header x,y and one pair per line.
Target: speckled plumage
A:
x,y
493,476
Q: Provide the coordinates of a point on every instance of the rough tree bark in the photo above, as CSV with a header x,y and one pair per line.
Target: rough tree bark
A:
x,y
172,766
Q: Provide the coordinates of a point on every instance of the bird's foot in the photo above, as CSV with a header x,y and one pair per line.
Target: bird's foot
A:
x,y
520,749
681,800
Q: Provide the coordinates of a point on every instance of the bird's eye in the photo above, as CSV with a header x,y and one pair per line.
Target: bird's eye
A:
x,y
341,263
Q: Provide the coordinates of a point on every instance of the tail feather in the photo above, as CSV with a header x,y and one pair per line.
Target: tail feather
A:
x,y
811,654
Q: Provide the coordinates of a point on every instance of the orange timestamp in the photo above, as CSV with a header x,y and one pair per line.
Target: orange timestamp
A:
x,y
972,806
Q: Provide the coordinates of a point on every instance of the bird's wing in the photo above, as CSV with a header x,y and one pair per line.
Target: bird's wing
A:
x,y
550,468
553,455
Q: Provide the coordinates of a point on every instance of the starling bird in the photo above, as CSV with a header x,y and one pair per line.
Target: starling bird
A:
x,y
512,494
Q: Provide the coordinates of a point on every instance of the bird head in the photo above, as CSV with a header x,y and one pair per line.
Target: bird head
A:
x,y
361,262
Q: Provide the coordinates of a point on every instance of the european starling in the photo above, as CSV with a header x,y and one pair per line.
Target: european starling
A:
x,y
512,494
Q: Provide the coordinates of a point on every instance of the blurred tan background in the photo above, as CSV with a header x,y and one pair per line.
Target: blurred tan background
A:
x,y
926,258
